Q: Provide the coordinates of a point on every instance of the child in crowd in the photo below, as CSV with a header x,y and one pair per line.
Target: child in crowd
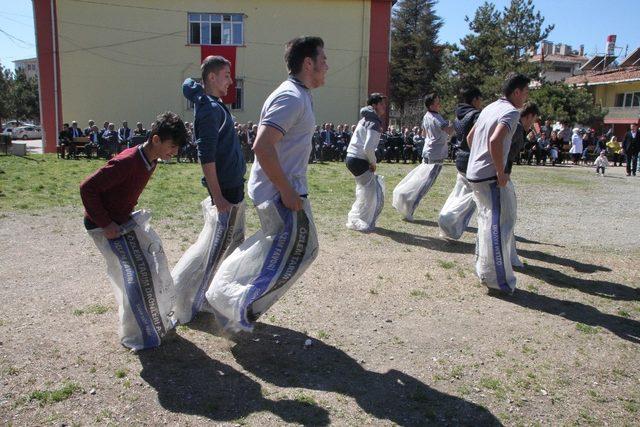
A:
x,y
601,162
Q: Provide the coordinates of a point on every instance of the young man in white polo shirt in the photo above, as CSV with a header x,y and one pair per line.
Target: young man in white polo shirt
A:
x,y
263,268
490,141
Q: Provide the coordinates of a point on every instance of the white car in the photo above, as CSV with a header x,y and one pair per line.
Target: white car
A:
x,y
27,132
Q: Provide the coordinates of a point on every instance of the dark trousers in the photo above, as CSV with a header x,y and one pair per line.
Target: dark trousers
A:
x,y
632,163
234,195
357,166
598,169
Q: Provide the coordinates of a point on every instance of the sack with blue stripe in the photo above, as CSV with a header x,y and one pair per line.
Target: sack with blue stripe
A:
x,y
369,202
413,187
495,247
265,266
457,210
221,234
139,274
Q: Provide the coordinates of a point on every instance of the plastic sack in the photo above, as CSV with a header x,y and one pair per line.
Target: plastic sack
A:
x,y
368,204
414,187
139,274
221,234
494,242
264,267
457,210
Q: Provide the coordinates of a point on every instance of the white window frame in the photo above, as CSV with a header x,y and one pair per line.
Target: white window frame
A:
x,y
632,97
229,23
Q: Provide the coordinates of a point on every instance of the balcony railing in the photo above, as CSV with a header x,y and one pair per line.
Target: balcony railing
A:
x,y
623,112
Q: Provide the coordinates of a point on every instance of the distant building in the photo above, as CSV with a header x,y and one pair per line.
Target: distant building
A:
x,y
29,66
115,60
616,89
559,61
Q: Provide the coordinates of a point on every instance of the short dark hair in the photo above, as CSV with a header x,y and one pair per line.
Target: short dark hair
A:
x,y
468,94
300,48
530,108
429,99
169,125
514,81
375,98
213,64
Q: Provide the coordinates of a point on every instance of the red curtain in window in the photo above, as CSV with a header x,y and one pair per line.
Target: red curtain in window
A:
x,y
228,52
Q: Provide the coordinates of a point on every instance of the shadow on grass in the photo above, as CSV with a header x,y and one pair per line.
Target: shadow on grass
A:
x,y
276,355
600,288
188,381
627,329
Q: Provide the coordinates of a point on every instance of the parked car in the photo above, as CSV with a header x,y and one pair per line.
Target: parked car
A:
x,y
27,132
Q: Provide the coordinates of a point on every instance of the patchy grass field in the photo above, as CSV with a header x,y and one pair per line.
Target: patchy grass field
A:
x,y
402,331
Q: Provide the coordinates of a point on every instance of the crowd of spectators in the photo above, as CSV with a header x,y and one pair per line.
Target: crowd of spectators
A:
x,y
546,143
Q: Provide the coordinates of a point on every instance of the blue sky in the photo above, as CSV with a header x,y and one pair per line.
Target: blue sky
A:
x,y
577,22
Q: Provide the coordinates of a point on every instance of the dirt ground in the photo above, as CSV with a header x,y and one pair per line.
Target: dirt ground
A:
x,y
402,331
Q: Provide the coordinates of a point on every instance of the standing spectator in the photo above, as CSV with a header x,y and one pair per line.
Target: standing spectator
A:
x,y
630,148
124,136
547,129
576,146
555,148
407,145
110,140
315,145
614,148
418,144
328,139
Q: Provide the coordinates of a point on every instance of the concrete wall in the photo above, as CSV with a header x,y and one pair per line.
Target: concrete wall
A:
x,y
606,94
129,62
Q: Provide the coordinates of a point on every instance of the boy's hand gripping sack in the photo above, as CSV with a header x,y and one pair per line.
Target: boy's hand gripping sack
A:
x,y
413,187
221,234
265,266
458,209
368,204
139,274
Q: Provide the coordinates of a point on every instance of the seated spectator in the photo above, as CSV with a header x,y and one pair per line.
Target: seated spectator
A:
x,y
93,146
89,128
139,130
555,148
64,141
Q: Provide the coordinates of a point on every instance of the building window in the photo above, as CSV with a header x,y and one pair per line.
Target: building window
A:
x,y
562,69
215,29
628,100
239,103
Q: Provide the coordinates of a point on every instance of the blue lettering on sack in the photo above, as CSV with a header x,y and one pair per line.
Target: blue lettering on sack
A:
x,y
496,238
133,292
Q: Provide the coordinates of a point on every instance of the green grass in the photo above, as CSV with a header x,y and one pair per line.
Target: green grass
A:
x,y
174,192
303,398
121,373
91,309
57,395
586,329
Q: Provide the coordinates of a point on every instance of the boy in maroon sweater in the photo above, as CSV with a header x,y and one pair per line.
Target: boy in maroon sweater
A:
x,y
110,193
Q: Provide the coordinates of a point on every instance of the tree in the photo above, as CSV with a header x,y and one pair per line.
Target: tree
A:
x,y
25,95
6,93
499,44
415,53
558,101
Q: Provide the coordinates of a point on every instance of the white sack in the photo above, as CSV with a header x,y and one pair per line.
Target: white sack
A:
x,y
494,242
265,266
458,209
139,274
369,202
221,234
414,187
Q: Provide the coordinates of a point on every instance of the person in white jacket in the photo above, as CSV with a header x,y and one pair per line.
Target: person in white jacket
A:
x,y
576,146
361,162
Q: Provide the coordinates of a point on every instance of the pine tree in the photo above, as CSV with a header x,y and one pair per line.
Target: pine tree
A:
x,y
25,95
6,93
415,53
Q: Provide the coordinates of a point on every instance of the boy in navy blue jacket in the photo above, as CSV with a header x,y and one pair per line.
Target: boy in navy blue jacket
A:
x,y
219,149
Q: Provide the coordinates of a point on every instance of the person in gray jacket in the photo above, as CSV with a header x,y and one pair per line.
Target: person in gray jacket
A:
x,y
361,162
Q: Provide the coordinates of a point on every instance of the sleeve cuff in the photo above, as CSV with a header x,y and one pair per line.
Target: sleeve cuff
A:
x,y
275,126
